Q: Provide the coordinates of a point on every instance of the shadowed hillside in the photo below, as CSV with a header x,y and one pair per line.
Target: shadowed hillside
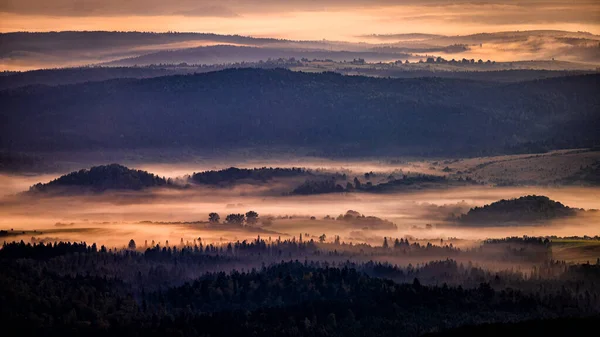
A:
x,y
327,113
232,54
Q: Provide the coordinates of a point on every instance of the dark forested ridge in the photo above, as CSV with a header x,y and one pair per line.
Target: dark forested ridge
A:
x,y
234,174
102,178
527,208
71,289
62,76
406,183
327,113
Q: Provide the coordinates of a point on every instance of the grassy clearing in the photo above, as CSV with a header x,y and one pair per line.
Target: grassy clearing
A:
x,y
572,250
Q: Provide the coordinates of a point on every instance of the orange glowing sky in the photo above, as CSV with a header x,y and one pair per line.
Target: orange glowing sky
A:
x,y
301,19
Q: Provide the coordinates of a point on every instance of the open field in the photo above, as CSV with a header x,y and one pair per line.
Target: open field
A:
x,y
523,169
576,251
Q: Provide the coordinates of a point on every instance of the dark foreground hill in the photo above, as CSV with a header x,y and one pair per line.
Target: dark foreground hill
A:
x,y
78,290
101,178
527,209
326,113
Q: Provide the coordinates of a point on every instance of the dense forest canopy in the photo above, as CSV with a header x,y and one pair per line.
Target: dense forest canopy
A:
x,y
234,174
327,113
299,288
102,178
526,209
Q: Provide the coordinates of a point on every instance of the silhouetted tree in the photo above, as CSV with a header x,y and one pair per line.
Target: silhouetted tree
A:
x,y
214,217
235,219
251,217
357,184
322,238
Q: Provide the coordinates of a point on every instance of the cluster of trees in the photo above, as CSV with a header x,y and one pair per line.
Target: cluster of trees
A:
x,y
358,220
441,60
250,218
414,181
68,289
318,187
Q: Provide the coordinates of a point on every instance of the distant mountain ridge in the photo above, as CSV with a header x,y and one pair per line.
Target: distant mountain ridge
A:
x,y
43,50
325,113
220,54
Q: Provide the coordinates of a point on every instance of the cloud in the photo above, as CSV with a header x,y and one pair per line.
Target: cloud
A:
x,y
301,19
87,8
502,11
215,11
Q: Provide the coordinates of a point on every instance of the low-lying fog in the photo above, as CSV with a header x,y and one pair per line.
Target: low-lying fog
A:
x,y
115,217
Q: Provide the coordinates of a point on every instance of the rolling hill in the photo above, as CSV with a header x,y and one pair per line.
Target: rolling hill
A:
x,y
220,54
99,179
524,210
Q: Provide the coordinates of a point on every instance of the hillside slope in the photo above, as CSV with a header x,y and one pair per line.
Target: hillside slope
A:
x,y
328,113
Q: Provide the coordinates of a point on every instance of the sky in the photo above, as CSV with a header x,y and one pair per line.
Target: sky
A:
x,y
301,19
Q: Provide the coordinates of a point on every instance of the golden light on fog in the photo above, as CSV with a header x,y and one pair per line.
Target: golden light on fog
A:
x,y
339,23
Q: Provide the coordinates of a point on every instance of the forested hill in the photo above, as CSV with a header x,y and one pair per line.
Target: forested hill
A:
x,y
327,113
234,174
101,178
528,208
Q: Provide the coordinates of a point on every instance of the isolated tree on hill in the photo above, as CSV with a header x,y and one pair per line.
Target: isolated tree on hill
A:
x,y
214,217
251,217
235,219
